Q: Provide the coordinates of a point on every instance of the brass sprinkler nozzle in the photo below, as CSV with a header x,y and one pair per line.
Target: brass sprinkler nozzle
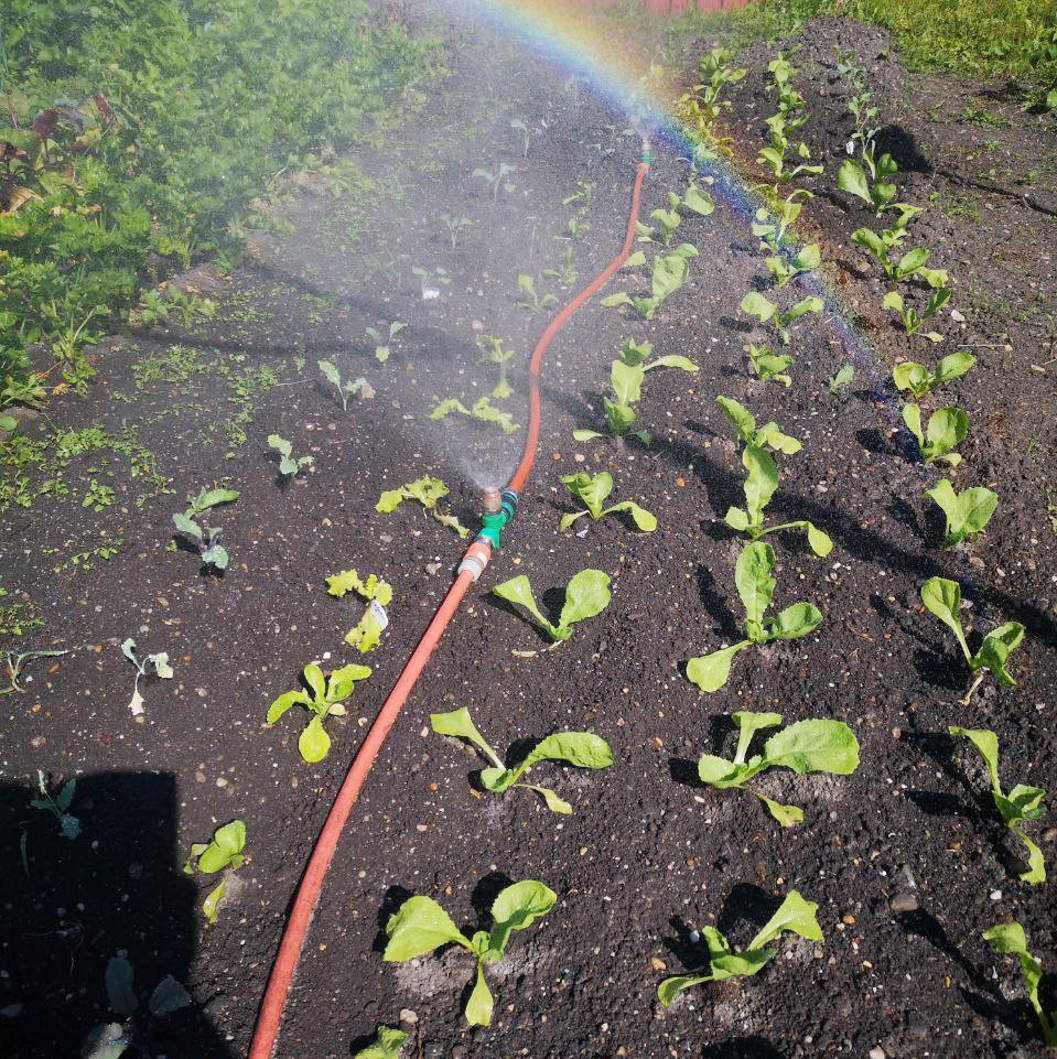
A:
x,y
492,501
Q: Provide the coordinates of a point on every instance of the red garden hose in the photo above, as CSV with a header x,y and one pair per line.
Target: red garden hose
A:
x,y
473,563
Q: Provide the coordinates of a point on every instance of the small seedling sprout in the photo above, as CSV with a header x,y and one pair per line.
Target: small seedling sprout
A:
x,y
152,665
347,388
426,491
1010,938
223,853
206,538
58,805
586,596
289,465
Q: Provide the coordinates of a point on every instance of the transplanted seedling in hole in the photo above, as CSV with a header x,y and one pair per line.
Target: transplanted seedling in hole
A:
x,y
426,491
756,304
496,180
322,696
943,598
946,429
455,225
152,665
289,465
207,538
817,745
222,853
388,1044
767,365
482,410
366,634
15,663
915,379
494,352
347,388
420,925
586,595
381,342
1010,938
530,299
593,490
755,585
914,320
794,915
58,805
1021,804
582,749
967,512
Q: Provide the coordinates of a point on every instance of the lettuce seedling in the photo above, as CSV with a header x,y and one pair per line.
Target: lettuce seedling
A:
x,y
347,388
526,136
670,271
482,410
387,1044
427,491
152,665
493,352
207,538
1010,938
773,221
768,436
912,319
943,598
565,272
381,344
785,267
586,596
817,745
222,853
755,585
915,379
15,663
760,484
1021,804
795,915
841,379
496,180
755,304
696,200
910,264
592,490
967,512
947,427
366,634
530,299
289,465
322,697
420,926
582,749
871,180
767,365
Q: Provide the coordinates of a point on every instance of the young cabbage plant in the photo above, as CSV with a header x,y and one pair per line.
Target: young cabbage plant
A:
x,y
530,299
494,352
322,697
943,598
152,665
785,266
774,156
756,304
586,595
454,225
915,379
967,512
699,108
207,539
818,745
222,853
387,1044
761,481
755,585
289,465
381,343
669,272
768,436
1021,804
420,926
794,915
496,180
582,749
366,634
592,490
345,388
565,272
841,379
947,427
914,320
1010,938
910,264
482,410
426,491
767,365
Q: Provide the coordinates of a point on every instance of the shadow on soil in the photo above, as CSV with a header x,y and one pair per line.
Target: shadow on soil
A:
x,y
742,1048
72,904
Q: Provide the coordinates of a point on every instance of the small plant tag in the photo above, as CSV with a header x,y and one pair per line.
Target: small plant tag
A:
x,y
377,612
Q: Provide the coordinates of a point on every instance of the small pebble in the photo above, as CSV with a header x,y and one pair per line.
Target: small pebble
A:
x,y
408,1016
995,895
903,902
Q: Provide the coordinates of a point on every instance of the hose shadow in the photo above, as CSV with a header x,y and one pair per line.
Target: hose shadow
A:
x,y
742,1048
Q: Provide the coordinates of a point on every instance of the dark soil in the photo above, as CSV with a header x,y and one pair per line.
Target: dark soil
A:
x,y
905,857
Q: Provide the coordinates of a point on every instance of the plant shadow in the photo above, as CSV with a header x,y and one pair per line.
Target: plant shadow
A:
x,y
742,1048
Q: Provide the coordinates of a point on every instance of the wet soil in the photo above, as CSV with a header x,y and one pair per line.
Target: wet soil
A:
x,y
905,857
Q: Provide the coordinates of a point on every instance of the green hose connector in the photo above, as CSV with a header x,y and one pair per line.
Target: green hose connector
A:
x,y
492,524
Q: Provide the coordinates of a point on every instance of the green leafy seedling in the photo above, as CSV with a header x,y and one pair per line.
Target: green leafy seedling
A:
x,y
943,598
420,926
1010,938
586,595
388,1044
345,388
767,365
871,180
428,279
1021,804
668,273
794,915
15,663
58,805
696,200
382,342
530,298
841,379
454,225
915,379
785,267
482,410
967,512
593,490
289,465
322,697
426,491
755,304
582,749
494,352
817,745
947,427
496,180
207,538
152,665
755,585
910,264
912,319
773,222
222,853
526,135
769,436
366,634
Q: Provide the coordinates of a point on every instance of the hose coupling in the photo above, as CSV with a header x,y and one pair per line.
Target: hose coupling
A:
x,y
644,158
476,558
492,523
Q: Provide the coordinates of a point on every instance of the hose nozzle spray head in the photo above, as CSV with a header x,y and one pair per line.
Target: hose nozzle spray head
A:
x,y
494,519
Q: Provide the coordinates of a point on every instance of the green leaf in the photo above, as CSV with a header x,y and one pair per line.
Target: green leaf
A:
x,y
912,377
818,541
670,988
459,724
553,802
755,304
794,915
753,580
313,741
669,274
800,619
618,416
567,520
626,380
329,372
750,722
586,435
811,304
910,262
967,513
582,749
953,366
518,590
118,978
771,436
698,201
720,773
1007,938
912,420
947,427
1036,872
852,178
106,1041
208,498
216,555
673,361
740,965
231,838
283,703
644,520
387,1045
592,490
168,996
211,905
817,745
740,417
186,525
786,815
710,672
480,1005
943,598
737,519
419,926
586,595
995,651
760,484
281,445
390,500
620,298
516,907
342,681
